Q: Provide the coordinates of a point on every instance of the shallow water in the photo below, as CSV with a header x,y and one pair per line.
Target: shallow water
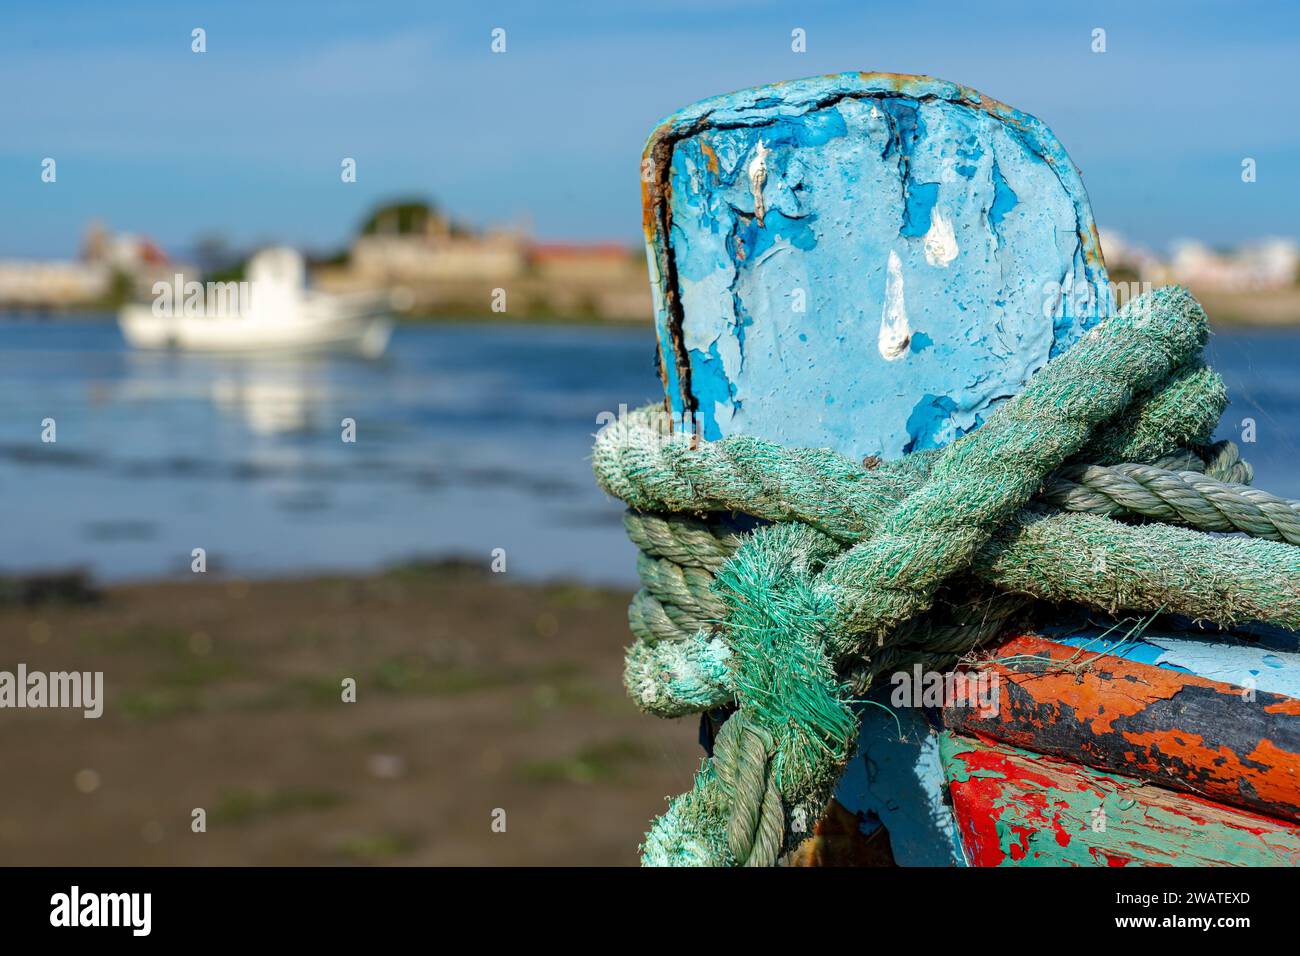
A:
x,y
470,437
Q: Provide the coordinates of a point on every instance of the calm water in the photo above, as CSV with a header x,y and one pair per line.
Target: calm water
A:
x,y
470,438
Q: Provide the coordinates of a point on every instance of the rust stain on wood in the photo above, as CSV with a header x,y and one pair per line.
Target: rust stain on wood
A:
x,y
838,840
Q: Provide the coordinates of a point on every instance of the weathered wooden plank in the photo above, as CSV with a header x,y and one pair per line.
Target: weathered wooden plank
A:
x,y
1262,658
896,777
1232,744
1016,808
868,262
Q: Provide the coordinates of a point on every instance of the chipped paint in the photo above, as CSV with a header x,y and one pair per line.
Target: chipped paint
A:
x,y
1017,808
895,334
896,777
757,179
941,241
1159,724
979,204
1271,665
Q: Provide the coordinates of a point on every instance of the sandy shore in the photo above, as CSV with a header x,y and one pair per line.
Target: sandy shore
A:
x,y
1279,308
475,694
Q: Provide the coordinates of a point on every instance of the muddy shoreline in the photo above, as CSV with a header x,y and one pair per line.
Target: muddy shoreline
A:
x,y
474,694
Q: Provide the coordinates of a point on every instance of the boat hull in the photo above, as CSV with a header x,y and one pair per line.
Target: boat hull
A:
x,y
365,332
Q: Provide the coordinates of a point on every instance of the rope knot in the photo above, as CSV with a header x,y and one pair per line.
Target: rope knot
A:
x,y
840,570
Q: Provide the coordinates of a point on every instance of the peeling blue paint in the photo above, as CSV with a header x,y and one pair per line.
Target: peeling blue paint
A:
x,y
751,241
1225,657
897,776
930,424
980,207
712,387
906,128
1004,198
920,201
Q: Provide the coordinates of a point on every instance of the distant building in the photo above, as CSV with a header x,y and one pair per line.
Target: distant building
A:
x,y
89,280
444,267
1265,265
1262,266
604,280
384,259
413,243
594,262
1127,259
52,284
138,257
120,250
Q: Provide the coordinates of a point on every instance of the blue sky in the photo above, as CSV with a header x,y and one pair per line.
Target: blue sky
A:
x,y
246,139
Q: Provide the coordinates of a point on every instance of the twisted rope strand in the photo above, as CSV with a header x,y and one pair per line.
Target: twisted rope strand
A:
x,y
1178,497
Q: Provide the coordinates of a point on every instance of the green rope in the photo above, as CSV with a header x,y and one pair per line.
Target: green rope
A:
x,y
862,570
1178,497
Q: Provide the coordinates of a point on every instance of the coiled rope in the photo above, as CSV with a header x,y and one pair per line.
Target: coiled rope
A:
x,y
1094,486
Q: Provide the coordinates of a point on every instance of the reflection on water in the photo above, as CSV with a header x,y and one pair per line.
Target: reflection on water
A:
x,y
272,394
469,438
268,407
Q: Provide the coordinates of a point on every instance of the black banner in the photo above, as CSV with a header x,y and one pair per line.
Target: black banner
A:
x,y
210,906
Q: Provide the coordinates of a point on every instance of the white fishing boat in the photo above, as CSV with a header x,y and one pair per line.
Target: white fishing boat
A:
x,y
273,309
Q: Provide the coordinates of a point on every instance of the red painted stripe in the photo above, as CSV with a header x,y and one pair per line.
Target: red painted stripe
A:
x,y
1016,808
1178,730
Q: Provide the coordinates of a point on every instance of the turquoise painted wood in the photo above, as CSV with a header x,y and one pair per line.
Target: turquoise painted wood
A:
x,y
1265,659
867,262
896,776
